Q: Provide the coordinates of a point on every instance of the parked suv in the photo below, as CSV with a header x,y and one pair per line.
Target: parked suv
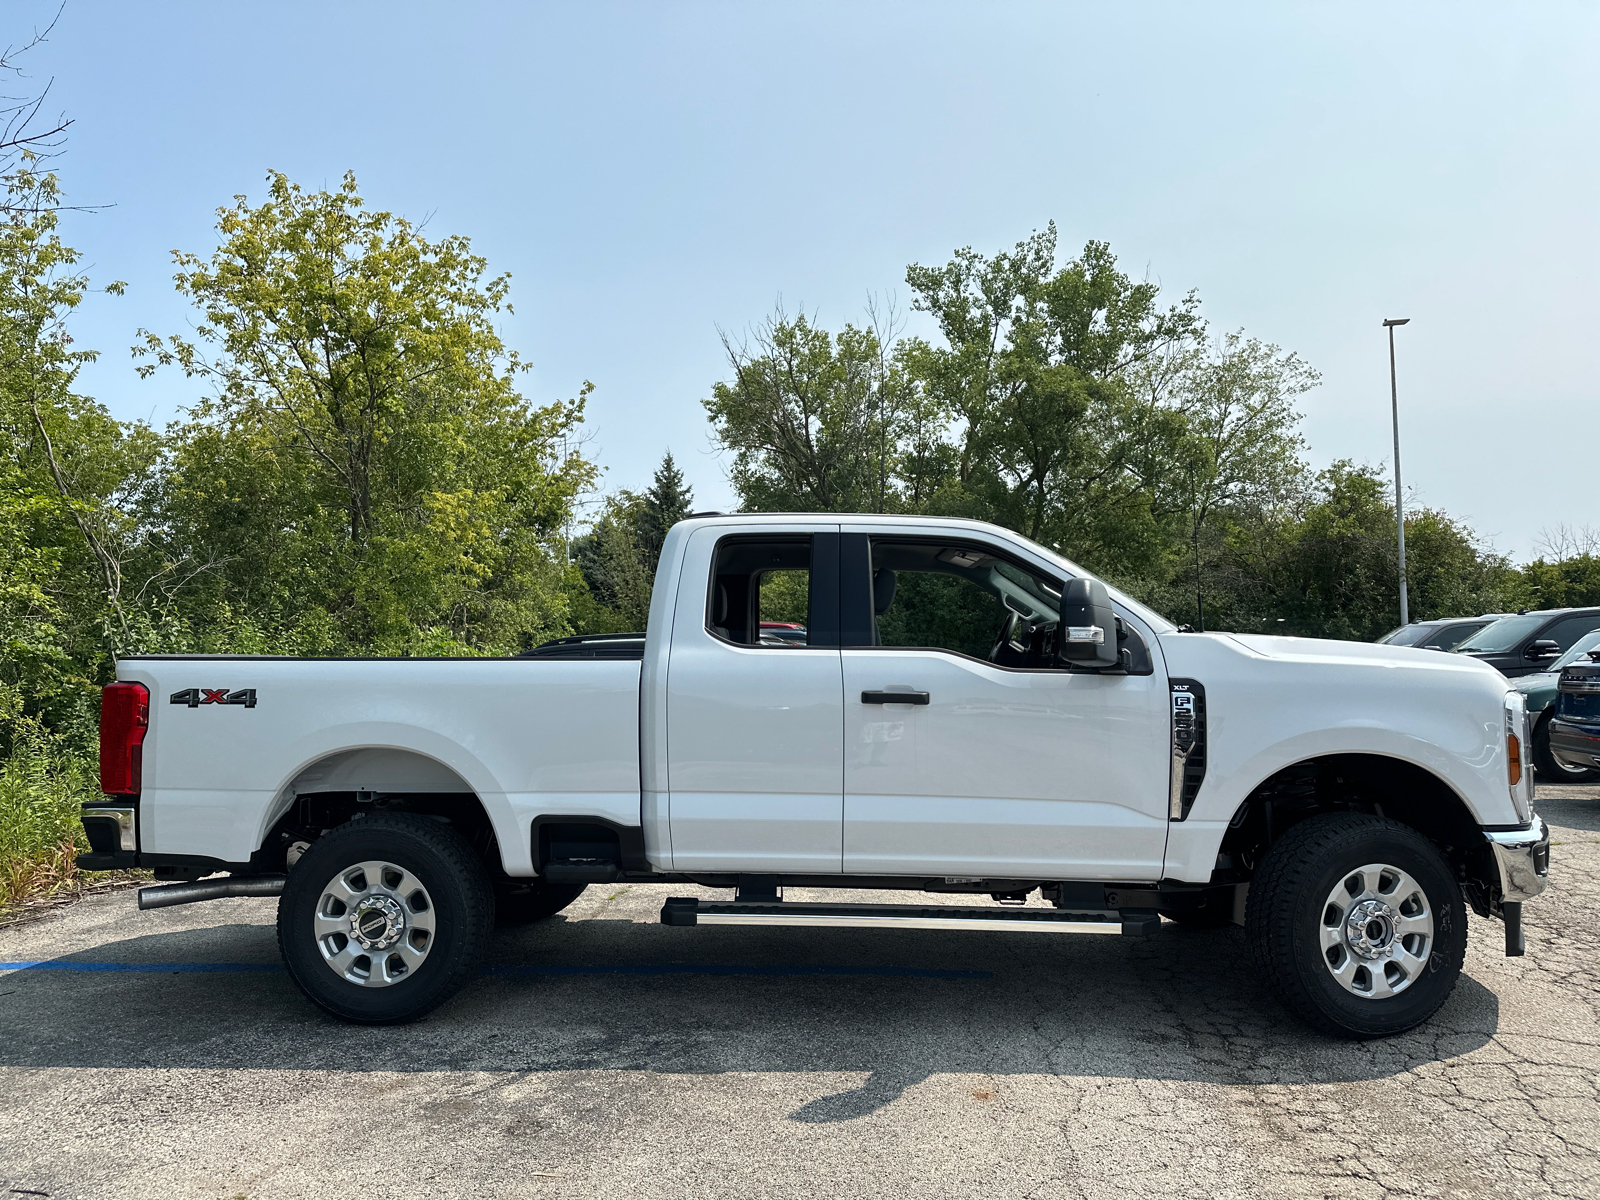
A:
x,y
1529,641
1446,633
1574,737
1539,694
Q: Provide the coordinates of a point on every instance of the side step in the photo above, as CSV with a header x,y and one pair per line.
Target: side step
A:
x,y
1128,922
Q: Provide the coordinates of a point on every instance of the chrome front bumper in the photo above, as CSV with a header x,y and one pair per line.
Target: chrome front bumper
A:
x,y
1522,856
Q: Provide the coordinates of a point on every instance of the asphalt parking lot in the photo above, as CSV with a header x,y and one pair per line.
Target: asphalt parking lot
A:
x,y
165,1054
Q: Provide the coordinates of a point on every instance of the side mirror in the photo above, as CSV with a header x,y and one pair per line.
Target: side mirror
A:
x,y
1088,631
1541,649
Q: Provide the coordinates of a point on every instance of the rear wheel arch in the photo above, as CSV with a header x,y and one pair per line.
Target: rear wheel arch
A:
x,y
354,783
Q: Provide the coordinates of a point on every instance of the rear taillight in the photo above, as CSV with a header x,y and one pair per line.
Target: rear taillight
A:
x,y
124,717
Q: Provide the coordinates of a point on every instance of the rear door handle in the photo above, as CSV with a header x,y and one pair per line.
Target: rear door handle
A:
x,y
894,697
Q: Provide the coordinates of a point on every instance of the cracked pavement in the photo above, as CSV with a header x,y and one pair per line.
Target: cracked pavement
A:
x,y
1000,1066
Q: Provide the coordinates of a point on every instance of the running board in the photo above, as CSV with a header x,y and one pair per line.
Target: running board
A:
x,y
1128,922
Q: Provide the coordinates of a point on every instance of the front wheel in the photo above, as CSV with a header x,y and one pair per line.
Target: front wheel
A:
x,y
1357,924
383,919
1545,764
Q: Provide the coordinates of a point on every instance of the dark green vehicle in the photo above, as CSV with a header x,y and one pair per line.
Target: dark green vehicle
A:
x,y
1539,691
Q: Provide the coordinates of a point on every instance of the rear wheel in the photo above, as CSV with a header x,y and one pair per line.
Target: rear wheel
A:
x,y
1357,924
383,919
1545,765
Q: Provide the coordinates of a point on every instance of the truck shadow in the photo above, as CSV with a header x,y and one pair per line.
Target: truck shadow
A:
x,y
603,995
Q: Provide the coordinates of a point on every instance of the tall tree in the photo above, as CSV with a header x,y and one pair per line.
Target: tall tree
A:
x,y
1241,455
815,420
69,549
665,502
1038,366
364,464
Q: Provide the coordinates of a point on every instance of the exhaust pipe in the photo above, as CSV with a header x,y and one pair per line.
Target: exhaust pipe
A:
x,y
210,889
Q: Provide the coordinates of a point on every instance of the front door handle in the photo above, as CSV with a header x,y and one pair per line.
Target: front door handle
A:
x,y
894,697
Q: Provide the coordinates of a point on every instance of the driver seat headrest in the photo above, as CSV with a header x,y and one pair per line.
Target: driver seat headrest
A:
x,y
882,590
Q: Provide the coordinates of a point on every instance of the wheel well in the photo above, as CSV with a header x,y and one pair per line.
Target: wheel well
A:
x,y
331,793
1369,783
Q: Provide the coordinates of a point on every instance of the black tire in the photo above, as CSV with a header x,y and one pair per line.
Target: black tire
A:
x,y
455,896
1545,765
535,901
1289,903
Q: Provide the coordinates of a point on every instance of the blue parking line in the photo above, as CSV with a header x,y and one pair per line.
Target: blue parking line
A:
x,y
190,968
145,968
738,969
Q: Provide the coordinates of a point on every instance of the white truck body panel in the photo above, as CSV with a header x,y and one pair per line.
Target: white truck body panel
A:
x,y
755,742
528,736
1276,701
1018,774
741,759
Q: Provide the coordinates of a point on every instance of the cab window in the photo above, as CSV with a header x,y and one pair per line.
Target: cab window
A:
x,y
965,599
1567,631
761,592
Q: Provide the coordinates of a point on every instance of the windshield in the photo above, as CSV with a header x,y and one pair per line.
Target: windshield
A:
x,y
1502,635
1448,637
1145,613
1579,652
1406,635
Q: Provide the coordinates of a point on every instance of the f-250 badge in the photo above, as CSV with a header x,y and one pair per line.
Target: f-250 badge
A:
x,y
195,697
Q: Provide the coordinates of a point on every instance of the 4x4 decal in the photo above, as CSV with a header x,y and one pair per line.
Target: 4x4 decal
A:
x,y
195,697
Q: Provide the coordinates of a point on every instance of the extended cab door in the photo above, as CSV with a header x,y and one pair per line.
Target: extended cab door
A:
x,y
755,707
999,763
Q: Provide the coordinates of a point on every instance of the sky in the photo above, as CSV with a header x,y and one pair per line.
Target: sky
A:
x,y
653,173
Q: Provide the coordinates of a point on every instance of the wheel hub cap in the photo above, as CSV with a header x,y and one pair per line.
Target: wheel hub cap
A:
x,y
1376,931
1369,929
374,923
377,923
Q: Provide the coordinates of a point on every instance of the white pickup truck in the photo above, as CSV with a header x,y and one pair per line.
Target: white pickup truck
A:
x,y
845,702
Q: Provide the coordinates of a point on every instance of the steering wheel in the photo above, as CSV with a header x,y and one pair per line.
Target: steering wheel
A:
x,y
1006,626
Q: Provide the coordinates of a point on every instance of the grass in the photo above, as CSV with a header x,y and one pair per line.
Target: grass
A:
x,y
42,783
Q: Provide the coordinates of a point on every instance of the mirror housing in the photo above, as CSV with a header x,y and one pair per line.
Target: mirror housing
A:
x,y
1088,630
1542,648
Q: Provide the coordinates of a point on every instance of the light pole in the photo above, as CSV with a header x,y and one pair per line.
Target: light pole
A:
x,y
1399,503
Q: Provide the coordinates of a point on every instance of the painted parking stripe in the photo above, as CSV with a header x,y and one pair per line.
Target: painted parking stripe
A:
x,y
189,968
737,969
144,968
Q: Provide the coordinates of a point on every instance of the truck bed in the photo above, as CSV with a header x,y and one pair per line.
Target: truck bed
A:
x,y
234,738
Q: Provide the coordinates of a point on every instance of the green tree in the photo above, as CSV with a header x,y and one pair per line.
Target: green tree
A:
x,y
617,558
364,472
70,552
666,501
818,422
1039,368
1240,457
1331,569
614,561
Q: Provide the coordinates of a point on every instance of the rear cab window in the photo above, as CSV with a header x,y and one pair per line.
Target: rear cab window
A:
x,y
764,593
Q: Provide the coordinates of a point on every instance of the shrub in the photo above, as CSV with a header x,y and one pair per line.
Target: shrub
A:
x,y
42,783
